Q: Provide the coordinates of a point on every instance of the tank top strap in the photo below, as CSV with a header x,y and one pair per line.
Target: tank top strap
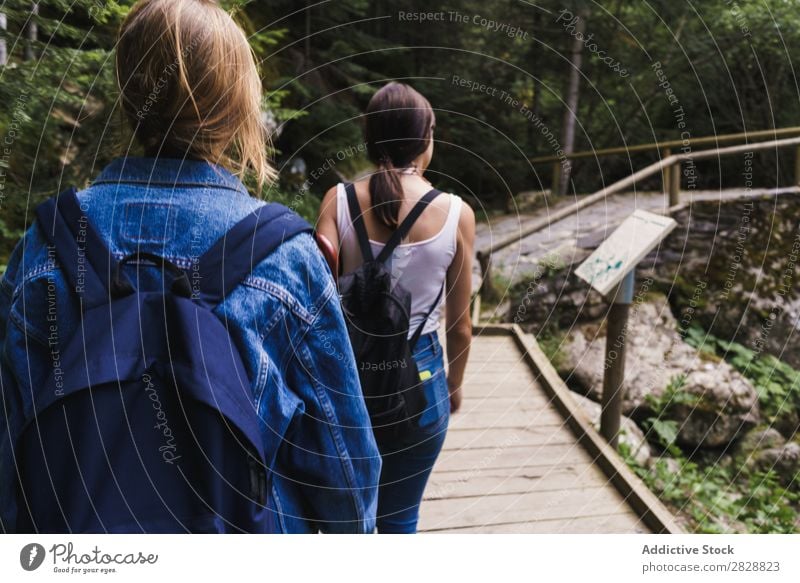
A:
x,y
343,219
449,232
451,223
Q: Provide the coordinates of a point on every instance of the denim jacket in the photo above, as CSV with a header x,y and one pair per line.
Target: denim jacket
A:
x,y
285,320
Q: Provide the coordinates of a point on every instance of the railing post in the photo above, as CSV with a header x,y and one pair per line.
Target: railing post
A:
x,y
665,172
675,184
476,310
555,187
487,291
614,378
797,166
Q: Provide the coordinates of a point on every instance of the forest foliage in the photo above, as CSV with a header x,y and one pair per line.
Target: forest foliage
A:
x,y
495,72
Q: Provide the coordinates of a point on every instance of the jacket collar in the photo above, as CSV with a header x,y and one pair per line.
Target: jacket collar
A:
x,y
173,172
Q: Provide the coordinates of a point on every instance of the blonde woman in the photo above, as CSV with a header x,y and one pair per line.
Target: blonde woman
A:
x,y
192,95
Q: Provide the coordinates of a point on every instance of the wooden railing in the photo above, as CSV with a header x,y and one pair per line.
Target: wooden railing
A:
x,y
665,148
667,165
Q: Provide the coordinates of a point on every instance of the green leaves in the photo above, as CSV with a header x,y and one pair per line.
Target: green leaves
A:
x,y
777,383
719,500
716,497
665,431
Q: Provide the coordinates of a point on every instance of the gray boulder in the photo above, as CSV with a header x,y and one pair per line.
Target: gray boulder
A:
x,y
665,377
630,434
741,255
527,201
764,448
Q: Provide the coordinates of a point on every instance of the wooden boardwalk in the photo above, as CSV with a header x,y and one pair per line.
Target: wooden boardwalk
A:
x,y
520,457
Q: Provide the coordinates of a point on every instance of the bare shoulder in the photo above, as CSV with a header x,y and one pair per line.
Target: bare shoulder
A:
x,y
328,204
466,222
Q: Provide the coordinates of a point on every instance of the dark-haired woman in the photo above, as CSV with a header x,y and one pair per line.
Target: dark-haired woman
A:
x,y
436,256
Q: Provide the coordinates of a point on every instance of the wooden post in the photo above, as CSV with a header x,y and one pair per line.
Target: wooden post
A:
x,y
614,378
487,291
675,184
555,186
797,166
476,310
665,172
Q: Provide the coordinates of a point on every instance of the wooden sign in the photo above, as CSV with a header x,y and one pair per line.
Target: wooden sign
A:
x,y
623,249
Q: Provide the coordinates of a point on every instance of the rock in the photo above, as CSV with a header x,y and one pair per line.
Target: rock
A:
x,y
766,449
630,434
670,464
724,403
756,439
788,422
785,461
527,201
551,294
741,255
664,377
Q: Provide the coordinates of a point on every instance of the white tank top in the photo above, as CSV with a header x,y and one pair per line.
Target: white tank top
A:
x,y
421,267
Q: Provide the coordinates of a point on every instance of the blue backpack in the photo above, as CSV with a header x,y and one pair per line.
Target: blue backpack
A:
x,y
152,426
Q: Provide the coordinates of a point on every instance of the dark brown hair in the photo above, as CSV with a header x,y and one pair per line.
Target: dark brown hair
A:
x,y
190,86
397,129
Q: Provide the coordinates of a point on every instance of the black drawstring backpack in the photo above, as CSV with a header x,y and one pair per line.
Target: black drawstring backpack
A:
x,y
378,324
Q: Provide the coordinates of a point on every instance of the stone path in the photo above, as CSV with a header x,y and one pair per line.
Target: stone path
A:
x,y
560,239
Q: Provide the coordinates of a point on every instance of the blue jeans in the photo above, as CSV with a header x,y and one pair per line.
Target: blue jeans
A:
x,y
407,465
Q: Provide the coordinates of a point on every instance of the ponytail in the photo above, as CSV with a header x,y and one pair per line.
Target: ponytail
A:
x,y
397,129
386,193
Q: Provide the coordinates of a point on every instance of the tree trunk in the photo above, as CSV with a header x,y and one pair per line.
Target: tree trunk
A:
x,y
536,105
33,33
571,103
3,46
307,40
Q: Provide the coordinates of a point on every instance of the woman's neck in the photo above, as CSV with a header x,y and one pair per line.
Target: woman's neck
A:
x,y
408,180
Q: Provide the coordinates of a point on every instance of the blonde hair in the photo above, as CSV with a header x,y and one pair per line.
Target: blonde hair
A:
x,y
190,86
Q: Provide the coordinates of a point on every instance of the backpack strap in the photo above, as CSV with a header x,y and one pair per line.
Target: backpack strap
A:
x,y
83,255
418,332
405,227
357,218
231,259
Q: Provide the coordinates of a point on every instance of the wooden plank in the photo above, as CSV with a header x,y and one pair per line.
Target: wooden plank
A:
x,y
513,460
494,349
488,372
512,457
503,389
608,524
641,499
506,419
497,373
519,480
496,357
504,508
532,435
487,363
489,330
505,341
527,403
